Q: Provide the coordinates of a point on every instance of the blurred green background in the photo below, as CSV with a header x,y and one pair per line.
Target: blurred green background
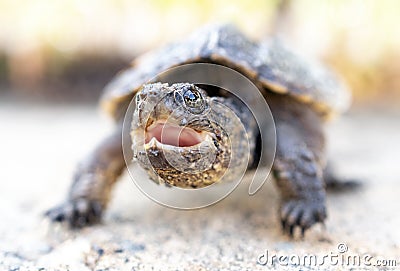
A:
x,y
67,50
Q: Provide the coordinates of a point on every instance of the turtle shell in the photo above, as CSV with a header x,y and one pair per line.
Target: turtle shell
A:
x,y
269,64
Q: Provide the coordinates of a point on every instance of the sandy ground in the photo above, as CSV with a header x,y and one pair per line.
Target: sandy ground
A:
x,y
40,146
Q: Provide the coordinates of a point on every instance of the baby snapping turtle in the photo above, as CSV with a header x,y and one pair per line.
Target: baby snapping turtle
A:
x,y
300,95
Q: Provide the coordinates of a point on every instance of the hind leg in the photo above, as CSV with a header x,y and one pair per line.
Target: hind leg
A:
x,y
92,184
333,182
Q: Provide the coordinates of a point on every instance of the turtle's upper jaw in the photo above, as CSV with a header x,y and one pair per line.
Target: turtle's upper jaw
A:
x,y
168,133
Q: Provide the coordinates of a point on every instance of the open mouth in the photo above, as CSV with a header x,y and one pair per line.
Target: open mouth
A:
x,y
172,134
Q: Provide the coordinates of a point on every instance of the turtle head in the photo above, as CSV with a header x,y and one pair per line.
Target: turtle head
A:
x,y
170,114
179,134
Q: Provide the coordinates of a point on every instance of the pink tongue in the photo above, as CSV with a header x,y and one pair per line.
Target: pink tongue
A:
x,y
173,135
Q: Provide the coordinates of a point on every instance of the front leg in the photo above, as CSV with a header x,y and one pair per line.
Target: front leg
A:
x,y
93,180
299,165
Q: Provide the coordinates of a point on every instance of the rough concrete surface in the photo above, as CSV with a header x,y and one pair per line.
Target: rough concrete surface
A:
x,y
40,146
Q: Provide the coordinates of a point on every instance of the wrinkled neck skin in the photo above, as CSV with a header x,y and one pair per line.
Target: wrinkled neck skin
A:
x,y
189,148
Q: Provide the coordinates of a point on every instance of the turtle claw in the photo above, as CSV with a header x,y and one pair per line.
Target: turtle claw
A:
x,y
302,214
77,213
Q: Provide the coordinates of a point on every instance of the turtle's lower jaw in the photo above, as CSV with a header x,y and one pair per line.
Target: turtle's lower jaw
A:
x,y
204,145
182,166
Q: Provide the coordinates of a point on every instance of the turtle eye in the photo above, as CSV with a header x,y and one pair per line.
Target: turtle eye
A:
x,y
194,100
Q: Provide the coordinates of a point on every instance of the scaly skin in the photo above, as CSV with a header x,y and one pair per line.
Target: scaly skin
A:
x,y
300,142
222,122
298,171
299,163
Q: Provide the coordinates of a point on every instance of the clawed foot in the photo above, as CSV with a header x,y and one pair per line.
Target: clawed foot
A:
x,y
78,213
302,214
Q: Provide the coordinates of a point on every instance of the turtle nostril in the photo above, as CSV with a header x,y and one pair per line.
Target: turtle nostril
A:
x,y
139,98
